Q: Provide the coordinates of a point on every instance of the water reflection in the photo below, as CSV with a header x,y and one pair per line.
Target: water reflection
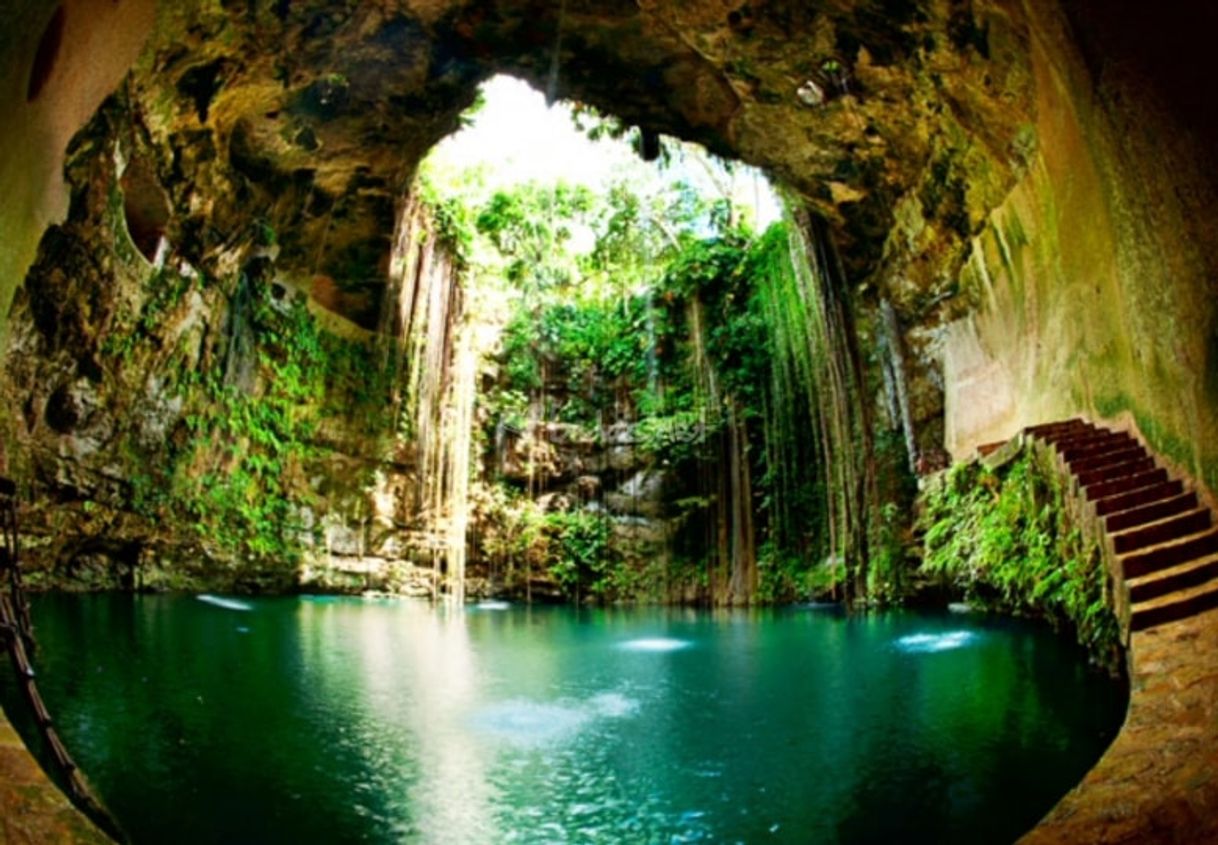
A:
x,y
419,679
529,723
655,644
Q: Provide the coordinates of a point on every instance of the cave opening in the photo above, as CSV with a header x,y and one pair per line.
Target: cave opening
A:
x,y
615,313
544,390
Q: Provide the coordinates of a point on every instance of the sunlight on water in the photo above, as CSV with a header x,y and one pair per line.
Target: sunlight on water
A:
x,y
529,722
613,705
655,644
924,643
493,605
533,723
227,604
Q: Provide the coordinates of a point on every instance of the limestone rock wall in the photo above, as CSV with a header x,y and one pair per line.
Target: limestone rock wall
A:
x,y
1092,283
608,472
196,426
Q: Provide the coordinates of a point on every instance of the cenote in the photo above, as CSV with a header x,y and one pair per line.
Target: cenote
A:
x,y
658,365
345,720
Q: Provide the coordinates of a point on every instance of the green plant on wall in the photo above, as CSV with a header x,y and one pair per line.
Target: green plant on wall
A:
x,y
235,475
1003,539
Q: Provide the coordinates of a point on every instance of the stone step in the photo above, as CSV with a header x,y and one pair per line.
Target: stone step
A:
x,y
1136,498
1105,459
1162,537
1124,484
1163,531
1173,607
1145,561
1048,428
1081,437
1094,445
1087,438
1133,517
1061,431
1183,576
1131,466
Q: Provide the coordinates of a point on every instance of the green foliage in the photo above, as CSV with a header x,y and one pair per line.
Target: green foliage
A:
x,y
1004,539
591,122
264,234
570,548
237,471
794,485
685,358
656,307
165,291
888,567
531,228
676,437
453,220
589,347
581,558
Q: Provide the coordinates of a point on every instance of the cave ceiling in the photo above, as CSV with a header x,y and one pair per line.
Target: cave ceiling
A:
x,y
900,123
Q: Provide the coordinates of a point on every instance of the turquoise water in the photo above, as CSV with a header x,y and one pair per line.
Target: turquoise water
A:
x,y
301,720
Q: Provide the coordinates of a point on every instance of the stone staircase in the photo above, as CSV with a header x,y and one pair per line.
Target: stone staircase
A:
x,y
1161,540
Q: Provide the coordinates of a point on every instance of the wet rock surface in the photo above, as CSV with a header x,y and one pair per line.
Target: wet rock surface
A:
x,y
32,809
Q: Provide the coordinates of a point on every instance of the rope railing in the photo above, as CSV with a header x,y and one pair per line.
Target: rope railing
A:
x,y
17,637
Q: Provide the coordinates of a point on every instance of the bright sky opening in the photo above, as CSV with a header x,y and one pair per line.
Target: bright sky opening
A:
x,y
516,138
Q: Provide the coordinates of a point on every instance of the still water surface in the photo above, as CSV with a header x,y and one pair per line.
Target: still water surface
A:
x,y
328,720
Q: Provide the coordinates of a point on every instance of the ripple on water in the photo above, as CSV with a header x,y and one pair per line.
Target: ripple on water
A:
x,y
925,643
658,644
